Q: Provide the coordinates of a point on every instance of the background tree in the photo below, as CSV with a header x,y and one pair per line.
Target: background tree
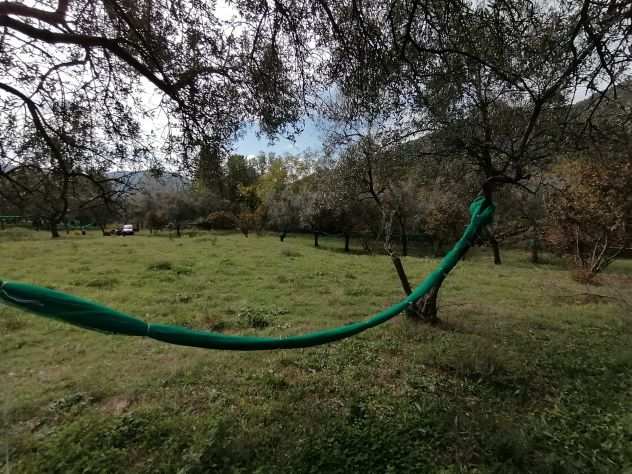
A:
x,y
318,205
239,174
590,211
180,208
51,183
284,211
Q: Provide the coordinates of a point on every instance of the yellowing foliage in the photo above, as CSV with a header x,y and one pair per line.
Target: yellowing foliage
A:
x,y
590,210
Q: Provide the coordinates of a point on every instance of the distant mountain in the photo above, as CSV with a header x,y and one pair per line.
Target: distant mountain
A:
x,y
611,105
149,181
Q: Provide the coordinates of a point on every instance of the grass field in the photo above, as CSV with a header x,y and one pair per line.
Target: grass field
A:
x,y
529,372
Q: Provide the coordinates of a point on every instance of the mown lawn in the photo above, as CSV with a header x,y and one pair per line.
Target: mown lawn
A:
x,y
529,372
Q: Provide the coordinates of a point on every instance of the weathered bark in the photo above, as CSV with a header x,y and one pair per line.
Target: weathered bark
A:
x,y
347,239
316,239
424,310
426,307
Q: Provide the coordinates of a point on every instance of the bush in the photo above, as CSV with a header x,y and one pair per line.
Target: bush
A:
x,y
584,276
259,318
220,220
159,266
247,222
589,210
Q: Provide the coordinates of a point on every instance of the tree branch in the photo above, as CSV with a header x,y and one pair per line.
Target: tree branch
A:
x,y
38,121
87,41
52,18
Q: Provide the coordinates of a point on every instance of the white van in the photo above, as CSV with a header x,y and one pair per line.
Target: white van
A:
x,y
128,229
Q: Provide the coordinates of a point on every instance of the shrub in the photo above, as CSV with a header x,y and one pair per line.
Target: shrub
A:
x,y
259,318
78,399
160,266
584,276
247,221
589,211
220,220
183,270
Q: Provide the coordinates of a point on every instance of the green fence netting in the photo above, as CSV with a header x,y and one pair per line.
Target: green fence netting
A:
x,y
89,315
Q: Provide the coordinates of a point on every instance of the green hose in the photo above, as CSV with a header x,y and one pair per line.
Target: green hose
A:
x,y
89,315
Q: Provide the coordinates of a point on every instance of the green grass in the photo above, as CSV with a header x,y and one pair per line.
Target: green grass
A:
x,y
529,371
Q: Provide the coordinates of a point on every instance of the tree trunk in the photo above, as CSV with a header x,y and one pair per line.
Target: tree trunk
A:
x,y
535,246
315,239
403,278
366,245
283,235
347,239
495,248
426,307
535,251
403,238
178,231
53,230
424,310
